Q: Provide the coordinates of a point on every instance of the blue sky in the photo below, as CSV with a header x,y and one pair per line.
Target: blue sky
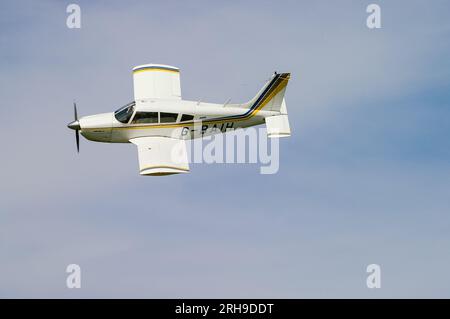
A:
x,y
364,178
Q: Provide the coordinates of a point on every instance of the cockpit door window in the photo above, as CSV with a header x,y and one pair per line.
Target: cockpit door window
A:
x,y
168,117
145,118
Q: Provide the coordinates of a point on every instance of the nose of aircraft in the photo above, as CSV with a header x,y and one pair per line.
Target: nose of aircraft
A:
x,y
75,125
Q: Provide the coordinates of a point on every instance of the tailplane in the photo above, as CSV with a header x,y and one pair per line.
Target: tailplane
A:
x,y
278,125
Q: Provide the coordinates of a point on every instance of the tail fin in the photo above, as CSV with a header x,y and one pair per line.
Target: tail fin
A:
x,y
271,96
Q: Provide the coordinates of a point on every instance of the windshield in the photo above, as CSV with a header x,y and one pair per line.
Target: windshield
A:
x,y
124,114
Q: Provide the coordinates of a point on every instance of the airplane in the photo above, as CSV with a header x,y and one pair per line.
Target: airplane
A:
x,y
158,120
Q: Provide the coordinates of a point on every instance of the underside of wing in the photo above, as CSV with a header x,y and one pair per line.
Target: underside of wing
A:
x,y
161,155
156,81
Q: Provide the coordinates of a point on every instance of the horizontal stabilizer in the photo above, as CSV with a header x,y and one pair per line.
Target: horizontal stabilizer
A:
x,y
278,126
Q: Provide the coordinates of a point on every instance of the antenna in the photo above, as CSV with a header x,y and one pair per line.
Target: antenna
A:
x,y
228,101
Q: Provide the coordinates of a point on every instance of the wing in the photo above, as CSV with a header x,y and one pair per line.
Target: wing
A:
x,y
156,81
161,155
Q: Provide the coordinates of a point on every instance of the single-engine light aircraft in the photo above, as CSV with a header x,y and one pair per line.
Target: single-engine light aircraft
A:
x,y
159,120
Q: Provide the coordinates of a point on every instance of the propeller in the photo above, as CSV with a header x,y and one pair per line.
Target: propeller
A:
x,y
75,125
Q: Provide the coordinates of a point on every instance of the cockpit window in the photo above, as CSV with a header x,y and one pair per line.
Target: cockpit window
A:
x,y
168,117
124,114
145,117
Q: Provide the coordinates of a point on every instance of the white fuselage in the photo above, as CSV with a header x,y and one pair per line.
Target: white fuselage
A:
x,y
208,118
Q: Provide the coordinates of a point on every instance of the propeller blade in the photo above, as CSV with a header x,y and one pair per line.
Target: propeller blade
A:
x,y
75,111
75,125
77,137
